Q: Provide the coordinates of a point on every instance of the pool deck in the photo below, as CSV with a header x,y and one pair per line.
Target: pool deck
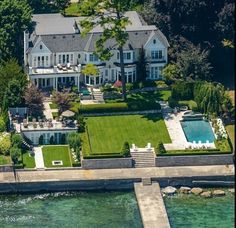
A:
x,y
151,205
175,130
179,141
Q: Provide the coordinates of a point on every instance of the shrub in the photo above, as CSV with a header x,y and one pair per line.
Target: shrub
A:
x,y
51,140
126,149
15,153
129,86
161,84
16,140
160,148
182,90
172,102
223,145
41,140
63,139
5,144
73,140
81,123
2,124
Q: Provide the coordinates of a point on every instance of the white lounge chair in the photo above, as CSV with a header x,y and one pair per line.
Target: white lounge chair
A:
x,y
149,146
194,145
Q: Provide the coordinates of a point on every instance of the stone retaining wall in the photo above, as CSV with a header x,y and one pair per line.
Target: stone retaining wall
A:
x,y
194,160
107,163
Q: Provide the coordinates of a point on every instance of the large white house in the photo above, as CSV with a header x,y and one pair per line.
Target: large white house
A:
x,y
55,52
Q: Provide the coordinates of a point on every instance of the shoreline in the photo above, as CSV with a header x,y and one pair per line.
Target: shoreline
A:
x,y
115,179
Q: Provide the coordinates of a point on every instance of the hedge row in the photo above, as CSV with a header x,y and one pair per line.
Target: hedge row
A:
x,y
116,107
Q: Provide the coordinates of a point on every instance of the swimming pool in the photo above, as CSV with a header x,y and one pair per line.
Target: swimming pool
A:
x,y
198,130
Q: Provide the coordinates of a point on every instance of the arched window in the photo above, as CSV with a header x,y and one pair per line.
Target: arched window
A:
x,y
154,41
41,47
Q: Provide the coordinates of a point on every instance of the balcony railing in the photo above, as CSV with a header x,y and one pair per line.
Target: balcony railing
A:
x,y
59,69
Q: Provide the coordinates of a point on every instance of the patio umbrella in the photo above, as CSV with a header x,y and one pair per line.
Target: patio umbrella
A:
x,y
68,113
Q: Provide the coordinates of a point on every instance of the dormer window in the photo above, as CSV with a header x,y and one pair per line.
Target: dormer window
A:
x,y
41,47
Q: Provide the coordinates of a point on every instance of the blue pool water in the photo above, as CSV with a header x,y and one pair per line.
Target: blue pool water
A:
x,y
196,130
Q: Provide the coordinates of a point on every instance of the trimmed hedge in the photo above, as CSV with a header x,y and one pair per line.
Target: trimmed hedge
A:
x,y
117,107
194,152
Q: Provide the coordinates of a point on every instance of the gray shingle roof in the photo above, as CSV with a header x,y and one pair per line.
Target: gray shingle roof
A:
x,y
58,34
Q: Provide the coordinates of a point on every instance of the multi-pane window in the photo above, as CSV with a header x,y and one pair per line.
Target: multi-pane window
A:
x,y
156,54
59,59
93,58
35,61
155,72
46,60
127,55
71,58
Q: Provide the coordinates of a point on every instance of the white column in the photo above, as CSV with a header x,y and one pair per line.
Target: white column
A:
x,y
78,81
56,81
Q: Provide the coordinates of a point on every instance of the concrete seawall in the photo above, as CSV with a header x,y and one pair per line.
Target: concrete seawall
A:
x,y
114,179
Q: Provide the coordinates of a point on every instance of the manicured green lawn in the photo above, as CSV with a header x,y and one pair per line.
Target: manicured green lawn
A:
x,y
5,160
53,106
28,161
55,114
52,153
230,130
108,133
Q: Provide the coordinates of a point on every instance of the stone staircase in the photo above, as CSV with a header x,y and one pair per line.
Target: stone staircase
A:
x,y
97,94
143,158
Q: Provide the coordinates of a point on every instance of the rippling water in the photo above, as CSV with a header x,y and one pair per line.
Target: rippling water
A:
x,y
189,211
74,209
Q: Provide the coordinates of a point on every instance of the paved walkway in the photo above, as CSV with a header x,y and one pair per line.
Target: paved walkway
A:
x,y
114,174
39,163
47,110
151,205
175,130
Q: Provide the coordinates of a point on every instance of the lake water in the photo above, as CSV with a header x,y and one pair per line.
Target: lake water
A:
x,y
110,210
75,209
190,211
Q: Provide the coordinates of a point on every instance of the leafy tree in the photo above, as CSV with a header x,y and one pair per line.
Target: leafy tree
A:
x,y
62,99
73,139
110,16
15,18
16,140
34,99
11,71
225,24
141,66
126,149
170,72
62,4
2,124
90,69
13,95
209,97
5,144
15,153
193,64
